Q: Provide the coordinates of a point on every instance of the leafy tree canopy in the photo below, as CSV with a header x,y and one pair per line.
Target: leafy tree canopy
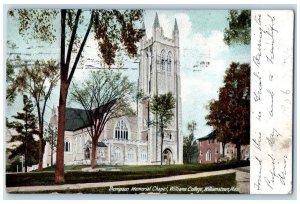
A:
x,y
230,114
163,106
239,27
114,30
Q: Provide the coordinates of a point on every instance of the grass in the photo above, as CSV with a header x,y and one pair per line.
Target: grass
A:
x,y
126,173
205,185
67,168
157,168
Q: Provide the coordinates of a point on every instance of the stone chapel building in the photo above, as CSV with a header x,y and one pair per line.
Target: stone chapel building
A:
x,y
133,140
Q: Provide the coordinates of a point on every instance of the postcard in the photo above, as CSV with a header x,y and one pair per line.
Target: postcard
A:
x,y
149,101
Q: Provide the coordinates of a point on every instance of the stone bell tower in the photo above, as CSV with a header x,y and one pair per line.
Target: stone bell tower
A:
x,y
159,73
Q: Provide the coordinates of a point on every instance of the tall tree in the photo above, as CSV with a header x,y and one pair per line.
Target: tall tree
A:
x,y
105,95
163,107
51,138
26,128
239,27
38,81
114,30
230,114
216,118
189,149
192,126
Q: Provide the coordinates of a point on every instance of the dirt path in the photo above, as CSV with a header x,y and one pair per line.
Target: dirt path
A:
x,y
243,179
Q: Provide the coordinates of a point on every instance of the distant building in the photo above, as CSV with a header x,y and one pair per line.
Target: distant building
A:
x,y
210,150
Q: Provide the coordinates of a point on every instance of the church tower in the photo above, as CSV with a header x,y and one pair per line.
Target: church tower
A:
x,y
54,118
159,73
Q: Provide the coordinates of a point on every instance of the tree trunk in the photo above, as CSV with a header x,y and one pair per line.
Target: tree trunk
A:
x,y
25,159
238,149
52,148
41,146
161,147
26,144
25,164
191,153
223,149
189,156
93,158
59,170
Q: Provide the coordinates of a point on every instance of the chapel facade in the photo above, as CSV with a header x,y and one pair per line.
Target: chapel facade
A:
x,y
134,139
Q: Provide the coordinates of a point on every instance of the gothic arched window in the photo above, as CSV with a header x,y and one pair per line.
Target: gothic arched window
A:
x,y
67,146
208,155
102,153
121,130
76,144
130,154
144,155
163,60
82,143
117,153
169,61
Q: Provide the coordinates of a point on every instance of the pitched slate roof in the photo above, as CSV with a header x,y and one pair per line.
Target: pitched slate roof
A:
x,y
211,135
77,119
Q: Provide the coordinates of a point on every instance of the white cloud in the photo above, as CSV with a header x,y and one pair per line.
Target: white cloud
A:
x,y
212,45
192,85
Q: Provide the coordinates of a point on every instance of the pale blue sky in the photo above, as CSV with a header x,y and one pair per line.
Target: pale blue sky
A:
x,y
201,39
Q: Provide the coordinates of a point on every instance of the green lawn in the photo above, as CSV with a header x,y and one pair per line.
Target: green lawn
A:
x,y
126,173
67,168
189,168
207,185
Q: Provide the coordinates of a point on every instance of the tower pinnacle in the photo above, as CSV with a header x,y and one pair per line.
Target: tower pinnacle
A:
x,y
176,26
156,22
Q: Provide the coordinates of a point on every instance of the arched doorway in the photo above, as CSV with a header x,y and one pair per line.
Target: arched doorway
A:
x,y
167,156
87,150
87,153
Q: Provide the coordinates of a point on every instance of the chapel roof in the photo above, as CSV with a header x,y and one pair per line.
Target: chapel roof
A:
x,y
76,119
210,136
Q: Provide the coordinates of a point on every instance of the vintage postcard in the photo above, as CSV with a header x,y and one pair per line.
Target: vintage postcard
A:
x,y
149,101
